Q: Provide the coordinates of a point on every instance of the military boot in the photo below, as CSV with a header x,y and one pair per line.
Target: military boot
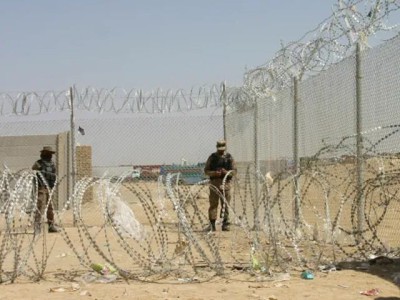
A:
x,y
53,228
225,226
211,226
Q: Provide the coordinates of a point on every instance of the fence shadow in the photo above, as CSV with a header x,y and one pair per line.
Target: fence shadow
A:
x,y
381,266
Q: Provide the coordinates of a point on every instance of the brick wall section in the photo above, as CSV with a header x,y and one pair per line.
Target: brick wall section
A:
x,y
84,168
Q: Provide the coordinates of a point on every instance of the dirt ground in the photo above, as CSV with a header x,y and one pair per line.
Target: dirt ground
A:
x,y
346,284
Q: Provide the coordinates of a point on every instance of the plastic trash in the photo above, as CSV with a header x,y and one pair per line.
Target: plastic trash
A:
x,y
307,275
107,278
328,268
103,269
98,277
74,287
125,219
255,263
89,277
372,292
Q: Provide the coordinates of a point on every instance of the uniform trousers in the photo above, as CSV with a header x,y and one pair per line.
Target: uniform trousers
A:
x,y
43,203
216,197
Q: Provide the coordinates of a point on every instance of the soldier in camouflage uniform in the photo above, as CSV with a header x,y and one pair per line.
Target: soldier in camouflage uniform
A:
x,y
220,166
46,179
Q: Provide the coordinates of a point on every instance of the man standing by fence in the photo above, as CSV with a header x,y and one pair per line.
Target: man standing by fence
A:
x,y
220,167
46,179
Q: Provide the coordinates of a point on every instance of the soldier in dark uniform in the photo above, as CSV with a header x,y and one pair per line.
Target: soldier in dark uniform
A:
x,y
220,165
46,179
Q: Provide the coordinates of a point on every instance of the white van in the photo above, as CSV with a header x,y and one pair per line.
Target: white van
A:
x,y
135,174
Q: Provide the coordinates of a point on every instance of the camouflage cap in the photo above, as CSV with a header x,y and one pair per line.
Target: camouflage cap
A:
x,y
221,145
47,149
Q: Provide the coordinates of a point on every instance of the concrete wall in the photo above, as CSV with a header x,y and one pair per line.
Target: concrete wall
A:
x,y
20,152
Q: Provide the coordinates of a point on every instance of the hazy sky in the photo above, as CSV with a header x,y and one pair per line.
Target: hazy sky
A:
x,y
148,44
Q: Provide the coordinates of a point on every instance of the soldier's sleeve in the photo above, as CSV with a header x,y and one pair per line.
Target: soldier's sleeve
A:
x,y
36,166
207,170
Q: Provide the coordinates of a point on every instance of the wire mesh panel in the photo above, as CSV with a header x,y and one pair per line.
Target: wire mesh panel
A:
x,y
240,128
133,140
327,108
380,86
326,119
151,139
334,179
240,135
275,137
51,123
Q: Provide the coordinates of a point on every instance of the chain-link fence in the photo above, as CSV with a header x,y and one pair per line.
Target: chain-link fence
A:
x,y
330,144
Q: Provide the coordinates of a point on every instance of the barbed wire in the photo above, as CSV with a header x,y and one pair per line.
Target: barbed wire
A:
x,y
116,100
352,22
334,39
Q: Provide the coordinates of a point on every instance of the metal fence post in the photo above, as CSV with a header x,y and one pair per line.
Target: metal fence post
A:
x,y
257,168
73,147
359,162
297,203
224,98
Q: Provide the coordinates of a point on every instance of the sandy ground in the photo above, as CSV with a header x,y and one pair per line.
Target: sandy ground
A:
x,y
345,284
